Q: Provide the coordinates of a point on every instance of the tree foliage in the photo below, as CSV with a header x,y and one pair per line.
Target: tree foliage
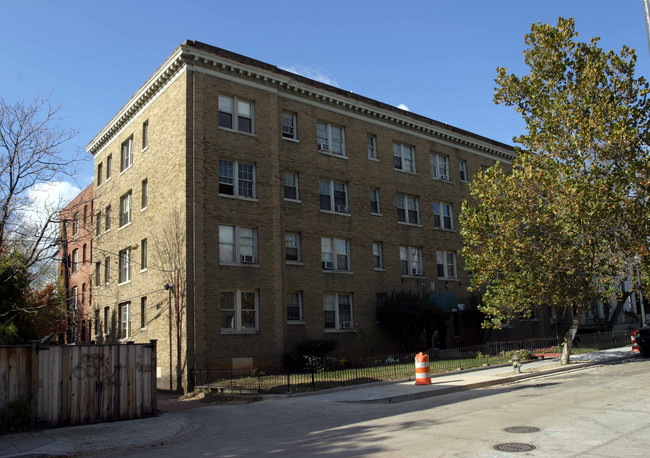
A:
x,y
563,227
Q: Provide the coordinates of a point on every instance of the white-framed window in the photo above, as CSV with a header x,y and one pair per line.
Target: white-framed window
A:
x,y
107,270
462,168
125,209
125,265
439,166
75,260
330,138
74,292
335,254
294,306
144,197
125,320
143,254
75,224
107,218
377,255
143,312
408,209
236,179
145,135
109,166
127,154
292,247
236,114
410,258
291,191
446,261
333,196
239,310
404,157
289,125
375,207
100,174
98,273
338,311
237,245
372,147
443,217
98,223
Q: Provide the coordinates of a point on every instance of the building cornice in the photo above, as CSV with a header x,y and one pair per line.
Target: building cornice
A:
x,y
196,55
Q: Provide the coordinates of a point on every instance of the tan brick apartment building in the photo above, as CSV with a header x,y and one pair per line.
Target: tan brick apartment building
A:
x,y
275,208
76,251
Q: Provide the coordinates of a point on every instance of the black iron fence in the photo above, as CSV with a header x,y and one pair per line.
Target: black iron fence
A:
x,y
329,372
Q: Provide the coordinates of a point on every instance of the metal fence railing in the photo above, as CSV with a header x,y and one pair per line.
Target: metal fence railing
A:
x,y
329,372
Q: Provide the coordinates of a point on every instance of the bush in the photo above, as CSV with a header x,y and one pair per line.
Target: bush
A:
x,y
524,355
18,415
318,347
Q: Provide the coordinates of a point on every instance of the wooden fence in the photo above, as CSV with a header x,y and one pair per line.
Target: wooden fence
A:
x,y
80,384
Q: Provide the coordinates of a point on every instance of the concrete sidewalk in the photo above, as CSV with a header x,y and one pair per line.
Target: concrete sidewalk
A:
x,y
168,426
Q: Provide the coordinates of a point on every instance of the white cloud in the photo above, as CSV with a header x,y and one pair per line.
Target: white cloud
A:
x,y
311,73
401,106
46,198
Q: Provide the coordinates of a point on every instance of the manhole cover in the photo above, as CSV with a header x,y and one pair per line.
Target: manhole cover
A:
x,y
514,447
521,429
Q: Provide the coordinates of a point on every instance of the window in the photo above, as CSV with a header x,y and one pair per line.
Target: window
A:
x,y
107,217
410,258
377,255
331,139
408,209
84,256
333,196
439,166
98,223
289,126
143,254
97,322
239,310
83,293
127,155
75,224
291,186
145,135
335,254
107,312
73,298
338,311
109,166
462,166
100,174
442,216
236,179
446,264
125,265
292,247
107,270
143,312
85,215
235,114
125,320
372,146
375,209
145,194
75,260
98,271
294,306
404,157
125,209
237,245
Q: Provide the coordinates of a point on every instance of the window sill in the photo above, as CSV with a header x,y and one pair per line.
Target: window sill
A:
x,y
331,331
143,209
239,331
376,214
414,276
335,213
340,156
448,279
126,169
249,199
442,180
143,271
143,329
374,159
125,225
235,131
443,229
145,148
107,231
237,264
292,140
294,263
409,224
124,283
379,269
344,272
406,172
108,179
295,201
295,322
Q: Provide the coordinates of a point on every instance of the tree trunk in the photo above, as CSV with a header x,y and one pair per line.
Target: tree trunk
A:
x,y
569,336
611,321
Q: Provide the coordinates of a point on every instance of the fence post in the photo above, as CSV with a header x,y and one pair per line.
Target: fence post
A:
x,y
154,374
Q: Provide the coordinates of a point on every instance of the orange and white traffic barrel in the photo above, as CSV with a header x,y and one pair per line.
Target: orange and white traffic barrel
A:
x,y
422,374
633,334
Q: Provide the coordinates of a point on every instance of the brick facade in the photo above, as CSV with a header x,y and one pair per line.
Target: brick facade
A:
x,y
189,198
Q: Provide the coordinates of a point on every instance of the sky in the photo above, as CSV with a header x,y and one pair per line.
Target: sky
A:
x,y
437,58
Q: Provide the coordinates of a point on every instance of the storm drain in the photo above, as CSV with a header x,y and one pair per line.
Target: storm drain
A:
x,y
514,447
521,429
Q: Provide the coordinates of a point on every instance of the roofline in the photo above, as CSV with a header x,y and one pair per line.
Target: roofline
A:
x,y
193,53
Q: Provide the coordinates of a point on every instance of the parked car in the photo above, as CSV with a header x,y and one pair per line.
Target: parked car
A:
x,y
641,338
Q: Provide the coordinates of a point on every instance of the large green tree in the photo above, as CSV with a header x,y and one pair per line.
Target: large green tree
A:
x,y
564,226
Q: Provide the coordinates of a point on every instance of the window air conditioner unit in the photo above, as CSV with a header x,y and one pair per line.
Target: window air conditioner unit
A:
x,y
328,265
417,271
247,259
346,325
323,147
340,208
